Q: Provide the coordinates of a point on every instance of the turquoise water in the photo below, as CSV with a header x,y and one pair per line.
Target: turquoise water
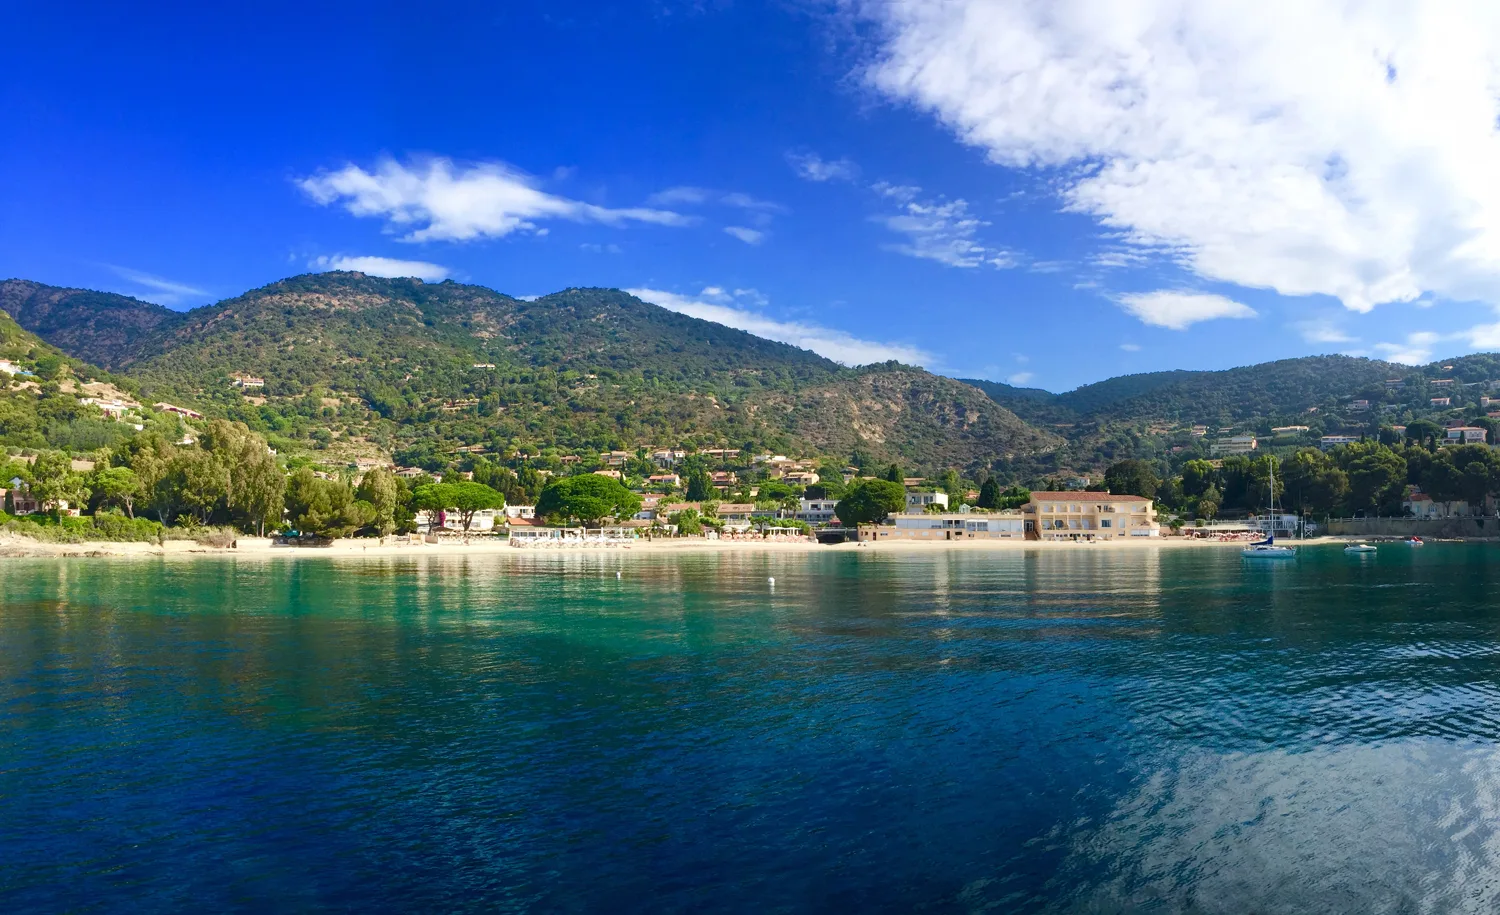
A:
x,y
1067,730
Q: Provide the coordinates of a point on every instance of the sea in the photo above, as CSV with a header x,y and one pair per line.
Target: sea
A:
x,y
1060,730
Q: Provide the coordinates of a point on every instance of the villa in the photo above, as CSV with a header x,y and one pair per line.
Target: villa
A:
x,y
1009,525
1089,516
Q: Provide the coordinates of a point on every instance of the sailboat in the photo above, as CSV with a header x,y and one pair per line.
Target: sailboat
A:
x,y
1267,548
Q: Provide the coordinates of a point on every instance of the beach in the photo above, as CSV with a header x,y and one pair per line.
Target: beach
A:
x,y
14,547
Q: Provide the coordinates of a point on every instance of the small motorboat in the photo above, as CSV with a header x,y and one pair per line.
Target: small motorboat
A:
x,y
1359,548
1413,541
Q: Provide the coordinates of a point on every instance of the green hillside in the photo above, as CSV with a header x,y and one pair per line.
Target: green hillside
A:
x,y
360,364
100,327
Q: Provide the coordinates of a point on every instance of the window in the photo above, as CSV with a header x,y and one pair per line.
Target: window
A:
x,y
1104,522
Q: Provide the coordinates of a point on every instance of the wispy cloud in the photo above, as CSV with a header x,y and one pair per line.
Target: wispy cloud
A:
x,y
1021,377
723,307
1416,349
1180,310
158,289
382,266
812,167
748,236
939,230
1322,330
1130,347
436,200
594,248
1304,146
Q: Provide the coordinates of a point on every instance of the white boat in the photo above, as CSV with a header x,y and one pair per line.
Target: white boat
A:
x,y
1267,548
1413,541
1359,548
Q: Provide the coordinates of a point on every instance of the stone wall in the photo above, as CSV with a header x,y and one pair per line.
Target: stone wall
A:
x,y
1474,528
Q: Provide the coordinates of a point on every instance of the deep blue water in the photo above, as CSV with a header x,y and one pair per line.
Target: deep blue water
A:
x,y
1064,730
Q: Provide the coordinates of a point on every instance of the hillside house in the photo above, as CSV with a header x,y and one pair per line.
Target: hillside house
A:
x,y
1440,401
1441,383
612,474
1328,442
240,380
614,458
1359,406
180,411
664,479
1234,444
724,479
801,478
1464,435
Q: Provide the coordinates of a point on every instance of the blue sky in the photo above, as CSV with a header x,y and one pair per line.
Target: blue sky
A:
x,y
1112,187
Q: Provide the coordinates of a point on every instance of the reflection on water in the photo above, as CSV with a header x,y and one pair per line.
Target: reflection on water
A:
x,y
1074,730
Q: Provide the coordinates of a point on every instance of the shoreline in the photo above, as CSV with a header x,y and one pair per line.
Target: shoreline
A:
x,y
17,547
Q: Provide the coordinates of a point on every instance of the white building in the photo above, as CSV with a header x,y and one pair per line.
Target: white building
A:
x,y
917,502
954,526
1333,441
1234,444
1468,435
816,511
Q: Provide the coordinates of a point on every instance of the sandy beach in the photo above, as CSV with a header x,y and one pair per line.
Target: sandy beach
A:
x,y
252,547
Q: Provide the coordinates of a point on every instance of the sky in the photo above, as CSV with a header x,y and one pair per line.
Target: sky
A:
x,y
1043,193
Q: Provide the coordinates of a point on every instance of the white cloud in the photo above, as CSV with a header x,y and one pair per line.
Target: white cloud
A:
x,y
942,231
1021,377
1130,347
714,304
679,196
160,290
382,266
1416,350
1323,331
1306,146
1179,310
593,248
435,200
748,236
812,167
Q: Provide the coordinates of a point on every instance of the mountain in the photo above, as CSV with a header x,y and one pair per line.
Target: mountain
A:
x,y
358,364
100,327
1220,398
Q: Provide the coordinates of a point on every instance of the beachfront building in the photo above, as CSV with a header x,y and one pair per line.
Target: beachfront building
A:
x,y
1090,516
936,526
917,502
1233,444
736,515
816,511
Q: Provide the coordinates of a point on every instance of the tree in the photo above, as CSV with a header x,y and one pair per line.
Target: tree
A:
x,y
1312,483
1197,476
871,501
590,498
324,508
1014,497
1377,477
1423,430
989,493
689,522
379,488
469,498
118,486
894,474
1132,478
1464,472
696,479
53,480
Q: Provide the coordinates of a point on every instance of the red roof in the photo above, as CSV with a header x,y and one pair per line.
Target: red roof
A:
x,y
1084,497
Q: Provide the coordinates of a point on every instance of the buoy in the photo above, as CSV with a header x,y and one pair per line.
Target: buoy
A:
x,y
771,581
617,574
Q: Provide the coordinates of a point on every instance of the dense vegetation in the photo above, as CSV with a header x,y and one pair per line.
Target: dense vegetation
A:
x,y
357,365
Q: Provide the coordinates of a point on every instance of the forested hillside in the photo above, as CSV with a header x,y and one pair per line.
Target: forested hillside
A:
x,y
99,327
362,365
